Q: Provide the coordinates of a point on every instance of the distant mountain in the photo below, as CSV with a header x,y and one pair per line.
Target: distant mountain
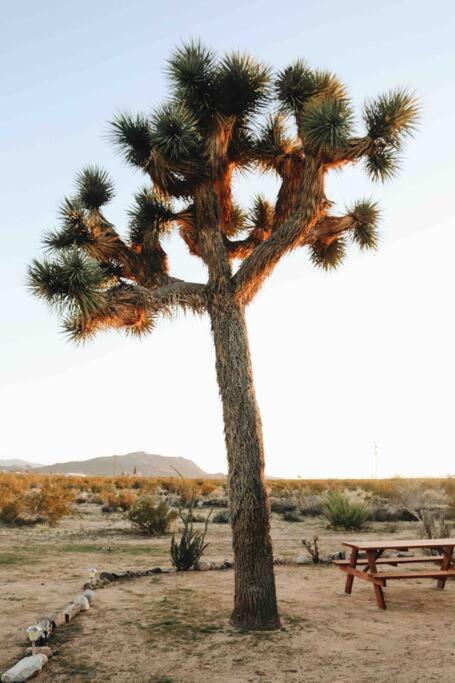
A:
x,y
17,464
147,464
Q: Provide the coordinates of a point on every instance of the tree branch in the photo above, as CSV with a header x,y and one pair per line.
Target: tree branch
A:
x,y
310,202
176,294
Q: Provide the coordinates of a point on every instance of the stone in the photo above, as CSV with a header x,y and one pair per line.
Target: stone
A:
x,y
108,576
71,610
303,559
203,566
59,619
228,564
218,565
89,594
83,603
41,650
24,669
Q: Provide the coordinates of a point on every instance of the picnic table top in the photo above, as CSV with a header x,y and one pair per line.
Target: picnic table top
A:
x,y
401,544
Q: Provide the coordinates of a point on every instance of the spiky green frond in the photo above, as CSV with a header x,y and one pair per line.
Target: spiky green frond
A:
x,y
392,116
174,133
124,308
298,83
73,281
273,142
382,162
66,238
192,70
73,231
261,214
94,187
150,216
325,125
328,256
238,220
242,85
131,135
366,215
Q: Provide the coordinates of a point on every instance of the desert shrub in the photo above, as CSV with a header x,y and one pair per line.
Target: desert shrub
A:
x,y
123,499
49,503
433,525
419,500
28,500
282,504
221,517
312,548
187,552
12,512
206,488
151,517
291,516
342,512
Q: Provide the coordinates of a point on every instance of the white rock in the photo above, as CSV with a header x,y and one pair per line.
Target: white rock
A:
x,y
71,610
40,650
203,566
83,603
24,669
303,559
59,618
89,594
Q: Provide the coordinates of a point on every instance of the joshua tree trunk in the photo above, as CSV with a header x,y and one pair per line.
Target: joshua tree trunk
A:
x,y
255,605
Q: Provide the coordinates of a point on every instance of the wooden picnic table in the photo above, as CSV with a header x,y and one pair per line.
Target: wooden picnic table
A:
x,y
374,551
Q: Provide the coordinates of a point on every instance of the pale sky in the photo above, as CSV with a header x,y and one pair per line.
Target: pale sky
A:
x,y
340,360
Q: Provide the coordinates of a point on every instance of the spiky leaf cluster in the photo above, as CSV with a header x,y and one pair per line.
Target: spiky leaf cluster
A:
x,y
72,281
132,137
325,125
94,187
297,84
150,217
366,215
192,71
73,231
328,256
273,143
261,214
389,119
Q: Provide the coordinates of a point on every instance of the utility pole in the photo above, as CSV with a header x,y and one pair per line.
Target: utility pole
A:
x,y
375,449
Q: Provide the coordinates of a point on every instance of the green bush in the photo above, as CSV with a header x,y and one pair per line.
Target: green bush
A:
x,y
344,513
150,517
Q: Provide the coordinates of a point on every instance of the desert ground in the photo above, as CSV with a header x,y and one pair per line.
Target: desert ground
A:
x,y
175,628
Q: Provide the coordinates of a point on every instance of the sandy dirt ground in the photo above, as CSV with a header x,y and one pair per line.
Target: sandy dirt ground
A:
x,y
175,628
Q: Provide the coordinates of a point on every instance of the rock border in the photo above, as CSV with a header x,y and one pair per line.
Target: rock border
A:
x,y
32,664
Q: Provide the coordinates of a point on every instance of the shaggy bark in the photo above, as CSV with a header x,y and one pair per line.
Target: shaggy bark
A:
x,y
255,605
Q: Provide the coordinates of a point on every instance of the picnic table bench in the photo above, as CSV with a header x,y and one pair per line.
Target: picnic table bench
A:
x,y
374,550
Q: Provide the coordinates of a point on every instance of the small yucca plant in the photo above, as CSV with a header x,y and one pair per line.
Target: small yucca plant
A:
x,y
342,512
186,553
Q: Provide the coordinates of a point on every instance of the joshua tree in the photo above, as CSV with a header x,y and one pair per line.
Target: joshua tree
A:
x,y
224,116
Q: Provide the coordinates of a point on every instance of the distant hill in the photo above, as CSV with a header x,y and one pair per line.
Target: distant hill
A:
x,y
17,464
147,464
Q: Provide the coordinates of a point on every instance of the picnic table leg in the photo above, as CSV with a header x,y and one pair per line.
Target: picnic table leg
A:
x,y
447,552
372,556
350,577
